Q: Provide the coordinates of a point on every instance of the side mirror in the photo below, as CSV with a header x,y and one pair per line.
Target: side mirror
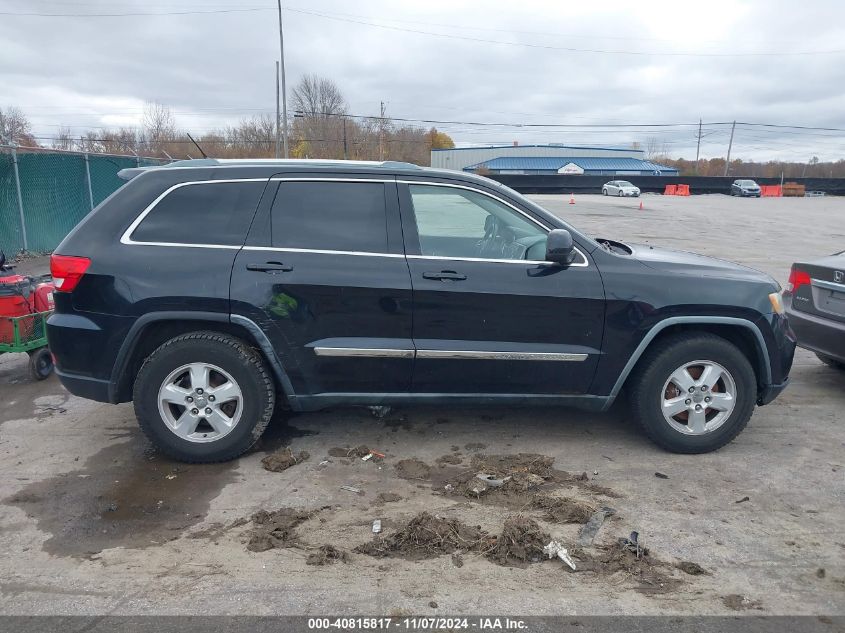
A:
x,y
559,247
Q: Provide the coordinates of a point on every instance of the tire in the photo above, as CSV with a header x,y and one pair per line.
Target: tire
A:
x,y
651,386
229,363
831,362
40,363
620,193
604,192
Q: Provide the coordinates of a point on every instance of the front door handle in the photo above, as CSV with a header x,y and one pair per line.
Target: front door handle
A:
x,y
444,275
270,267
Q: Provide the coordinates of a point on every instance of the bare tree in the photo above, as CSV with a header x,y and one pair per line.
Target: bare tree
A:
x,y
15,127
656,148
159,126
315,95
64,140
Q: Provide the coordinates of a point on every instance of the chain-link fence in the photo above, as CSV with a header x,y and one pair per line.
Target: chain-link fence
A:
x,y
44,194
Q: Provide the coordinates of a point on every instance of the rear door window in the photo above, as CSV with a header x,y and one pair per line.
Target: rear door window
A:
x,y
334,216
205,214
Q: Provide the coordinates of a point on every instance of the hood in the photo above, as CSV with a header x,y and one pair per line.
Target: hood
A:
x,y
684,263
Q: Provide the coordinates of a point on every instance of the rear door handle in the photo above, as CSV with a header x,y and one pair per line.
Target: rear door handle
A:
x,y
270,267
444,275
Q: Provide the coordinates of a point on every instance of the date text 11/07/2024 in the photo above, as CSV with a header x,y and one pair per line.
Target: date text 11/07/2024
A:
x,y
418,624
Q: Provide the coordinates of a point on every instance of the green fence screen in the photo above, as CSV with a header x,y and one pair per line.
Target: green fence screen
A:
x,y
55,193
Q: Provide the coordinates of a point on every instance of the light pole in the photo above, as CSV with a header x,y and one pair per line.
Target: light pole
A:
x,y
284,90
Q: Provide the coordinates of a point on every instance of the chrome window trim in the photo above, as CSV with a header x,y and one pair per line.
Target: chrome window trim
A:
x,y
127,239
580,264
364,352
828,285
282,249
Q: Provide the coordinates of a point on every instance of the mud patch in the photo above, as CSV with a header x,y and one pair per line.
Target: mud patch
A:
x,y
427,536
327,555
651,575
126,495
475,446
451,459
736,602
276,529
521,541
412,468
387,497
279,433
693,569
283,459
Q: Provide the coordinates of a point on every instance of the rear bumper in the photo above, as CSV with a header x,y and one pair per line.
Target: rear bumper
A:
x,y
85,386
818,334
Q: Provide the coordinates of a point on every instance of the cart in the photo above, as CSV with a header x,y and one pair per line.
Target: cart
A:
x,y
28,334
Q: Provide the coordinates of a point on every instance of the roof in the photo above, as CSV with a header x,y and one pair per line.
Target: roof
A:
x,y
554,164
609,149
194,163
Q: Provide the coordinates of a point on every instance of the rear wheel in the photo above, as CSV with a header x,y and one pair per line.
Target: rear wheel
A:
x,y
204,397
620,193
831,362
693,393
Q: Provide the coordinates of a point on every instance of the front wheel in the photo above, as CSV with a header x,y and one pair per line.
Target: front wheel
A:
x,y
204,397
693,393
604,192
620,193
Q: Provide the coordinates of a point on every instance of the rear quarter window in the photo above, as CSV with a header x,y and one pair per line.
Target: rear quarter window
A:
x,y
213,213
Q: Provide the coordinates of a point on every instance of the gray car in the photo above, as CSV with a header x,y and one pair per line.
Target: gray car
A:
x,y
745,189
814,300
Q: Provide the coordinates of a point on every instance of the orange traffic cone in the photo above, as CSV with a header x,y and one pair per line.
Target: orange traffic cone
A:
x,y
641,205
571,198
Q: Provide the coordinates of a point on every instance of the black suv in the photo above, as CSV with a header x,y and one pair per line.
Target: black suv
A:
x,y
209,292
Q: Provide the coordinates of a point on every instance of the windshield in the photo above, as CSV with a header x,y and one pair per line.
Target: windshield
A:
x,y
747,183
623,183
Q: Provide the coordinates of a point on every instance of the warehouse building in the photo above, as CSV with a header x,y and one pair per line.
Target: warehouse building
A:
x,y
549,159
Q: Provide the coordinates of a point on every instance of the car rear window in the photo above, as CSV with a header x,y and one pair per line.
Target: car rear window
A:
x,y
212,213
336,216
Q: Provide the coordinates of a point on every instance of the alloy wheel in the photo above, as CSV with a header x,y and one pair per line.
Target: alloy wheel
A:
x,y
698,397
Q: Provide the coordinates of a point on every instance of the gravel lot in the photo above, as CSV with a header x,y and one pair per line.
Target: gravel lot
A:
x,y
93,521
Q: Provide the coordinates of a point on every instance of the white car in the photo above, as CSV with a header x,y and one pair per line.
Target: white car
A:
x,y
620,188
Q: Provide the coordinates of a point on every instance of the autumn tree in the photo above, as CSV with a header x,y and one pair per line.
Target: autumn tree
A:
x,y
15,128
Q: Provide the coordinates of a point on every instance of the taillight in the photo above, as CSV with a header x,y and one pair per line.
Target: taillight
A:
x,y
797,278
67,271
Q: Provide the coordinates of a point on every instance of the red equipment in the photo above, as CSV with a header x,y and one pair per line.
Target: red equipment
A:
x,y
21,295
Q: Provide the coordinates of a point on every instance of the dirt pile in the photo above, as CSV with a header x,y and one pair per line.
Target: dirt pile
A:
x,y
562,509
427,536
276,529
451,459
283,459
327,555
521,541
387,497
412,468
651,574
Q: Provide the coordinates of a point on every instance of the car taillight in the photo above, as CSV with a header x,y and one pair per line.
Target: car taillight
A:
x,y
797,278
67,271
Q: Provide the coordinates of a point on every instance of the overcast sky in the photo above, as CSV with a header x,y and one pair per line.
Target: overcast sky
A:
x,y
493,62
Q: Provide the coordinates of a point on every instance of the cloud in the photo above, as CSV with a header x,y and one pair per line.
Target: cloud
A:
x,y
215,68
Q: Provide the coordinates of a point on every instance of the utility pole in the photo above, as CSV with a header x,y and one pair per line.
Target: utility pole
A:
x,y
284,88
278,127
381,133
345,146
698,147
730,145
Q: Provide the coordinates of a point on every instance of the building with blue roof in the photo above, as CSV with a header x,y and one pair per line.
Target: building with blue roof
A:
x,y
549,159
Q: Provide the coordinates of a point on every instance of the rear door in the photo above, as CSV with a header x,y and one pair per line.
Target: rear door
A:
x,y
490,316
324,275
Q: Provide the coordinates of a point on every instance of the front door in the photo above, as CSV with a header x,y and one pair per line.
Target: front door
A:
x,y
324,275
490,316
